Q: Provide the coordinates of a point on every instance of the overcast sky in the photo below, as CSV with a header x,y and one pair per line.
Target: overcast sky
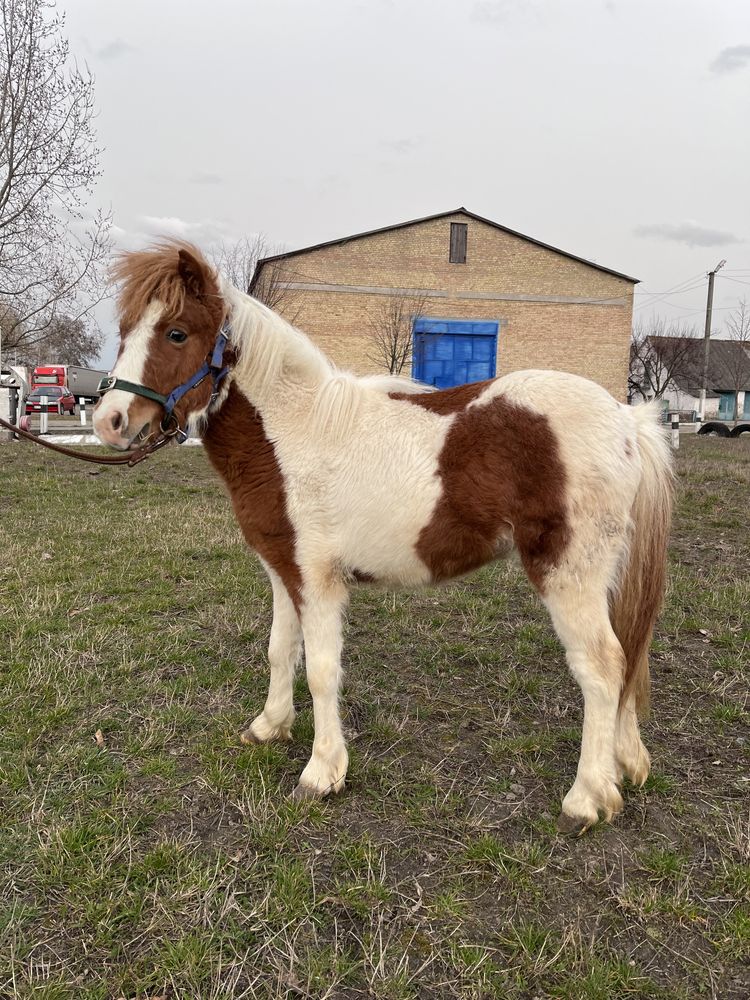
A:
x,y
619,131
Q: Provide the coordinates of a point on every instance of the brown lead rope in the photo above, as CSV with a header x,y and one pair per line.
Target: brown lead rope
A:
x,y
129,458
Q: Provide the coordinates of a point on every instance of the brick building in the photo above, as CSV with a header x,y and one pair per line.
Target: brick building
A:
x,y
491,300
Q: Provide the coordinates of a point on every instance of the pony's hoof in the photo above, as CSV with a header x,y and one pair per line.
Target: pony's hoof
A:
x,y
249,738
306,793
303,793
573,826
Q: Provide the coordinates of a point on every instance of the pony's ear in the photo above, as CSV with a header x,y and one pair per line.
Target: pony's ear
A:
x,y
192,273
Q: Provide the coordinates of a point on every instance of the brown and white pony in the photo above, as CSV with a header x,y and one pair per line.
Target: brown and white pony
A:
x,y
336,479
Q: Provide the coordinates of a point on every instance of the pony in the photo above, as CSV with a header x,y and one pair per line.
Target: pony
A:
x,y
336,480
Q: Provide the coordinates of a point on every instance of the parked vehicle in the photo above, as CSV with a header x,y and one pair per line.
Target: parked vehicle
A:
x,y
59,399
83,382
725,428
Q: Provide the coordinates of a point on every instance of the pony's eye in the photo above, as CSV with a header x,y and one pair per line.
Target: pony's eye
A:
x,y
177,336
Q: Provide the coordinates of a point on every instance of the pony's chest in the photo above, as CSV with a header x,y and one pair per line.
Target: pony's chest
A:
x,y
246,460
260,507
259,504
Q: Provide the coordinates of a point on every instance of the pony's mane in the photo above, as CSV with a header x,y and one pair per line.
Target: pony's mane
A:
x,y
153,273
271,351
269,347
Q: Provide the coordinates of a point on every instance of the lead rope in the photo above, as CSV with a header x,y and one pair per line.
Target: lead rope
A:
x,y
130,458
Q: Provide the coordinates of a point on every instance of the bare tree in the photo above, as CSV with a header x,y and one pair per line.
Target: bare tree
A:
x,y
737,362
69,341
239,263
391,322
51,252
659,354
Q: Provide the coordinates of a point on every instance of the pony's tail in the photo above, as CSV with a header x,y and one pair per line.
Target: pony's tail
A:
x,y
638,598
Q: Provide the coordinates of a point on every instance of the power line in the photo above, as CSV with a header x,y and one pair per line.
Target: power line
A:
x,y
666,295
702,312
668,291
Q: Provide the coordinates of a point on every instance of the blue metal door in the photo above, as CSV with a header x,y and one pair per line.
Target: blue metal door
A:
x,y
726,405
452,352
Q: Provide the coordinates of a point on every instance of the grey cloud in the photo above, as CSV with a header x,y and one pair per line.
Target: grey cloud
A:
x,y
730,60
114,49
689,233
203,233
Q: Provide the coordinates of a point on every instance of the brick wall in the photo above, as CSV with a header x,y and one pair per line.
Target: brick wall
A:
x,y
333,291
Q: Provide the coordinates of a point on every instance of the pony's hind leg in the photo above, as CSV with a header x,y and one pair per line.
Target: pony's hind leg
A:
x,y
284,649
632,756
580,615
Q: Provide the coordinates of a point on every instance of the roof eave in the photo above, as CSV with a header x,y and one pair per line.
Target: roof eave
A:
x,y
431,218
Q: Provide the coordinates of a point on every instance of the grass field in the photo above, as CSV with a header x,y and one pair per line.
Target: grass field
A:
x,y
145,853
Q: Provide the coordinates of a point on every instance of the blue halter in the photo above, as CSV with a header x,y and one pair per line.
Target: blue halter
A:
x,y
215,368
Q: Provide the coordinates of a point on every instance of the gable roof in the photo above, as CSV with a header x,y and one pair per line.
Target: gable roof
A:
x,y
728,364
430,218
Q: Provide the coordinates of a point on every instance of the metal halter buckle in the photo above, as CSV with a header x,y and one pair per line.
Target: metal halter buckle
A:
x,y
172,428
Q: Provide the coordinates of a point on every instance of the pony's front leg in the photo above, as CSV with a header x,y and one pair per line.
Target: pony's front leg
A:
x,y
284,648
321,625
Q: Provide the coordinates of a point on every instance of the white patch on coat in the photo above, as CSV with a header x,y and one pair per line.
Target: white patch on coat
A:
x,y
130,367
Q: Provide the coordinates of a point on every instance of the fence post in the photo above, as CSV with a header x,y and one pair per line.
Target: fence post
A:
x,y
82,411
43,416
675,430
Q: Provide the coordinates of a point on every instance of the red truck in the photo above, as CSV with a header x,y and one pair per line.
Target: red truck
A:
x,y
82,382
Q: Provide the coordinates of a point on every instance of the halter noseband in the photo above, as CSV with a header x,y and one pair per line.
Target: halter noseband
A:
x,y
215,368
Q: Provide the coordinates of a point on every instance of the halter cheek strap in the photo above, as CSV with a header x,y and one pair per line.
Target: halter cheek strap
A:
x,y
215,367
108,383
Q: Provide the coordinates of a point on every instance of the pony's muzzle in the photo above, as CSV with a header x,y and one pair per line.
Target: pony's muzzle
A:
x,y
112,426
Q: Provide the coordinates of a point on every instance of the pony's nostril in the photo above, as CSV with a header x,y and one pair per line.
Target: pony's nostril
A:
x,y
116,420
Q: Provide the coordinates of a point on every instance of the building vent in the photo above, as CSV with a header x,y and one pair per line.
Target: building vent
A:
x,y
458,242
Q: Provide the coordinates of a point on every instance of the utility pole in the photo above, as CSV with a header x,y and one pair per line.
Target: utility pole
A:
x,y
707,339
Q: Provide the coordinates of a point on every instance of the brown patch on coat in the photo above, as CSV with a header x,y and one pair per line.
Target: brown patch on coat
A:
x,y
501,473
445,401
237,447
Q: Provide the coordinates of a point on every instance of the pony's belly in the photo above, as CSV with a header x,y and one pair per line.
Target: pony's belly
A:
x,y
397,569
431,557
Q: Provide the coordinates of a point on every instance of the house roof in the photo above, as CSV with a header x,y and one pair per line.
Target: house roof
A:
x,y
429,218
728,364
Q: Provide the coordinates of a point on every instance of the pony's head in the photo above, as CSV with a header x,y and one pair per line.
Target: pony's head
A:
x,y
170,311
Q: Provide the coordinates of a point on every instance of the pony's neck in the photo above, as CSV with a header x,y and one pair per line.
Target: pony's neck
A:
x,y
273,357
